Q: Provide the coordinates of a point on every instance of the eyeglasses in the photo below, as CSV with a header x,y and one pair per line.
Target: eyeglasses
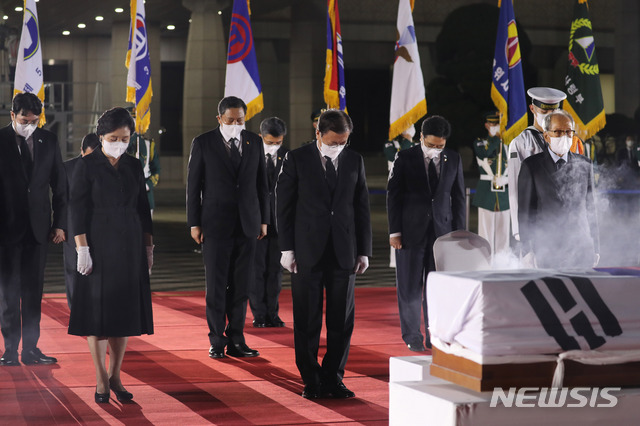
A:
x,y
559,133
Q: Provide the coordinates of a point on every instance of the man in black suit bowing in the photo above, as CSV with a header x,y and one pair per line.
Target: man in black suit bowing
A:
x,y
227,210
556,206
425,199
265,291
324,232
30,165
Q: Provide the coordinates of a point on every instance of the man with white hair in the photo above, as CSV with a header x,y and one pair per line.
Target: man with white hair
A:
x,y
556,210
531,141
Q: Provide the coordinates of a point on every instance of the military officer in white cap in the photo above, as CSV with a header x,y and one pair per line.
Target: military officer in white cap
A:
x,y
530,141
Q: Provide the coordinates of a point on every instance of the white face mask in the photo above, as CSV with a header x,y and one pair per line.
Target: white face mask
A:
x,y
331,151
271,149
493,130
561,145
230,131
431,153
629,143
25,130
540,119
114,149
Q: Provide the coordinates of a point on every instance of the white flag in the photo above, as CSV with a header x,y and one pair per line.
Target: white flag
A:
x,y
408,101
29,64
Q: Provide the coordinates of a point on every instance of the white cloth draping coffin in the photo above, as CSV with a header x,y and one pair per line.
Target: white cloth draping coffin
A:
x,y
533,312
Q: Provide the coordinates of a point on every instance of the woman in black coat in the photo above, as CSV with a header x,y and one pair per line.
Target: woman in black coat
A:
x,y
111,224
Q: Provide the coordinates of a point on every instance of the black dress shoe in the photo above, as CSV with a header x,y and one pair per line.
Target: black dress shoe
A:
x,y
416,347
10,359
102,398
427,344
216,352
275,322
35,356
122,396
337,390
241,350
259,322
311,392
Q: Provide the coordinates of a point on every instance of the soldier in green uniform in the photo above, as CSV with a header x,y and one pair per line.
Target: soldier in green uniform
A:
x,y
145,150
492,196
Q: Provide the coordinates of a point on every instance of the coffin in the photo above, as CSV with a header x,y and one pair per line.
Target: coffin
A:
x,y
535,328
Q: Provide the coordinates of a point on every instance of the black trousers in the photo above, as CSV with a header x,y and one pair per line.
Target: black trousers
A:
x,y
229,270
263,297
412,267
70,268
307,290
21,284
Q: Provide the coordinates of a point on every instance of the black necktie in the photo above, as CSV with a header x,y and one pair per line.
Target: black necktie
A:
x,y
234,153
433,176
332,177
271,171
559,164
25,156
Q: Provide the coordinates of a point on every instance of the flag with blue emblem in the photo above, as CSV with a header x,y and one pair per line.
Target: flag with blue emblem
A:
x,y
29,63
139,76
408,101
582,82
335,94
507,86
242,79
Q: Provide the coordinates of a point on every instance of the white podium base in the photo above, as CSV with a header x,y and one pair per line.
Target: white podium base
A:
x,y
432,401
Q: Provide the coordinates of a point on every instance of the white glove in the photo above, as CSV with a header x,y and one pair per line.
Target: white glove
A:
x,y
502,180
288,261
85,264
150,257
362,263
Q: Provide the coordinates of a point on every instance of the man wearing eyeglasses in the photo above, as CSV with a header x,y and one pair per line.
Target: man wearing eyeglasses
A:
x,y
324,231
531,141
556,211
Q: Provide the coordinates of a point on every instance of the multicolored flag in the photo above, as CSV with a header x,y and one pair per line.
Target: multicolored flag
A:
x,y
582,83
507,86
408,101
29,77
334,89
139,76
242,79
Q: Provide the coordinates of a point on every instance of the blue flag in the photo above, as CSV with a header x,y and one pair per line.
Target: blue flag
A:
x,y
242,78
139,67
507,86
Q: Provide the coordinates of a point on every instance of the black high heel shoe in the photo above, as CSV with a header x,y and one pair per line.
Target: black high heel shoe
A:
x,y
102,398
122,396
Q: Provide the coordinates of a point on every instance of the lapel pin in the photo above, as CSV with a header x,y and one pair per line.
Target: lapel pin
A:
x,y
40,140
445,158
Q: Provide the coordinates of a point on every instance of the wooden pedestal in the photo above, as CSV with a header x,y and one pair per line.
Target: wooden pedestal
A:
x,y
480,378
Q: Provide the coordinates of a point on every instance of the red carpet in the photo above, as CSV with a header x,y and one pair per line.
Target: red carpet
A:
x,y
175,382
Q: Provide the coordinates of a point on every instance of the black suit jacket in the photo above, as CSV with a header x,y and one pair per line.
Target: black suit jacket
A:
x,y
556,210
217,196
24,200
308,215
410,204
280,154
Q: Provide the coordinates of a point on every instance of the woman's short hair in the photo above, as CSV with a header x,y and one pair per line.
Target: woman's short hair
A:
x,y
114,119
334,120
437,126
90,140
